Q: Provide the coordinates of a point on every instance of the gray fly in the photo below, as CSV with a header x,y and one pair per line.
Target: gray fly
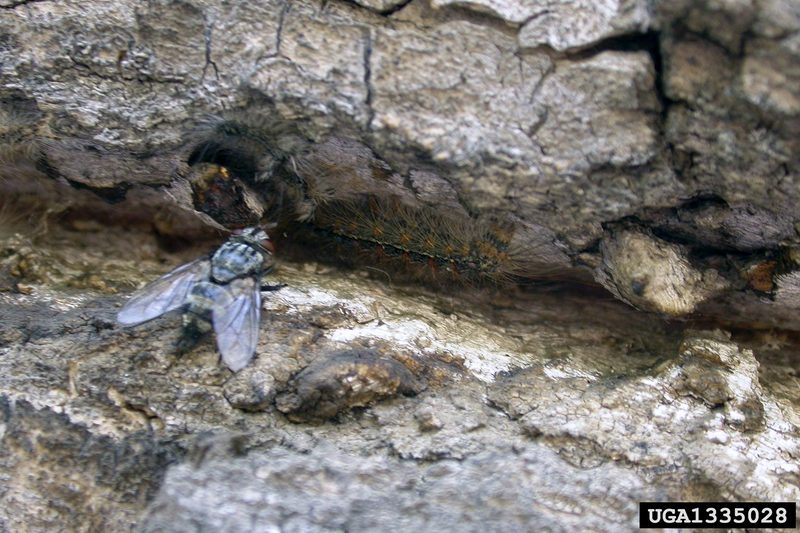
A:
x,y
221,292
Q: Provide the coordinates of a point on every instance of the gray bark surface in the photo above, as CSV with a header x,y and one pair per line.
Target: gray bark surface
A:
x,y
646,149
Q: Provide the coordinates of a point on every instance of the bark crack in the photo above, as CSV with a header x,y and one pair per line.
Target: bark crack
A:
x,y
279,32
368,77
13,5
209,61
394,9
388,12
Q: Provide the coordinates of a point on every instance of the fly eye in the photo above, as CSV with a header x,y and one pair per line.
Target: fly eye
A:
x,y
267,245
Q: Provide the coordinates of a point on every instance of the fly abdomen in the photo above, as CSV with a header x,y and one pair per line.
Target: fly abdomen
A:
x,y
197,314
195,329
202,299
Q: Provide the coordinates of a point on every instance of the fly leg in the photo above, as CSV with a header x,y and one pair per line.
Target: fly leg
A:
x,y
272,288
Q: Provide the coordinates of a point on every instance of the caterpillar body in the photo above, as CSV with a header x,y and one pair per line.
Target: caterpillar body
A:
x,y
419,241
338,199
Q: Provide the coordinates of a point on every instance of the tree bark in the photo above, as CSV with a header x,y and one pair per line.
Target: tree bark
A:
x,y
630,166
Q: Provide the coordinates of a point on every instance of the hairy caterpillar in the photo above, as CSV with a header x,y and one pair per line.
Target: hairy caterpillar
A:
x,y
421,242
353,208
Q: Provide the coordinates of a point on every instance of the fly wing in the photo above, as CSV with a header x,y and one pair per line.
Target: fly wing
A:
x,y
164,294
236,323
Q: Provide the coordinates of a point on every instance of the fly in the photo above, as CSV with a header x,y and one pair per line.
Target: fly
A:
x,y
221,292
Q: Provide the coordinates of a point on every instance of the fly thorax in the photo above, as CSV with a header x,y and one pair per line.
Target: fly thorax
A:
x,y
235,260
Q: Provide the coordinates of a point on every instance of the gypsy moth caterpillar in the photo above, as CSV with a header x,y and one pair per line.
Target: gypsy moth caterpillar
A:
x,y
419,235
424,243
353,208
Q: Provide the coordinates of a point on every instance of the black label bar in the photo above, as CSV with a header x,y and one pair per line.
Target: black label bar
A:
x,y
717,515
